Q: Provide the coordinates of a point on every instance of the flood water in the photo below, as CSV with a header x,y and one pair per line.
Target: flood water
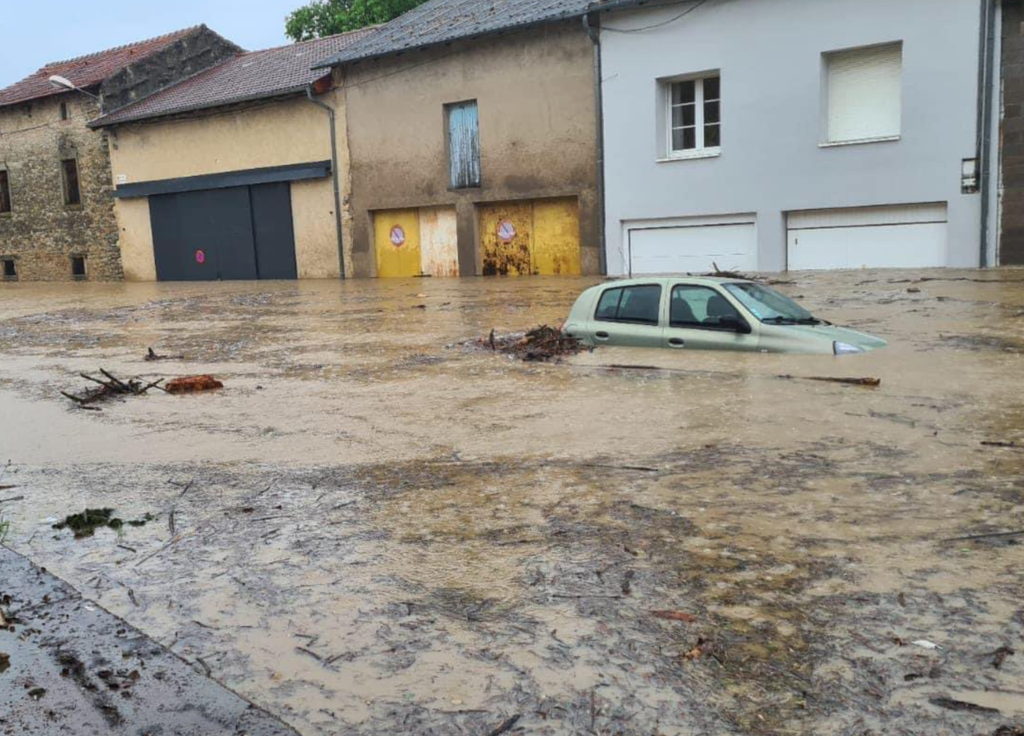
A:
x,y
375,529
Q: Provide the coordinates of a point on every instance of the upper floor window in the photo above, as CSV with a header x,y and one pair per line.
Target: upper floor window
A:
x,y
69,173
864,94
463,144
63,111
695,116
5,192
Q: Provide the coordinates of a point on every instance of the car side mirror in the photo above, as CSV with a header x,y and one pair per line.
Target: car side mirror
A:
x,y
734,323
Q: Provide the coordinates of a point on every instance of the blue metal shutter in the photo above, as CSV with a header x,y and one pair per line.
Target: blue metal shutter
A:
x,y
464,145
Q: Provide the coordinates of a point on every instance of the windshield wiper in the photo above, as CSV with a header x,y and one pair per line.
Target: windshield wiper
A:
x,y
792,321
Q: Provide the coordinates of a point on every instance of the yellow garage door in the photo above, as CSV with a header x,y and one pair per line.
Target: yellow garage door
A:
x,y
534,237
396,238
506,233
556,237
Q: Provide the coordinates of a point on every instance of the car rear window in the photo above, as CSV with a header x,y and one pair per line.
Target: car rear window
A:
x,y
638,304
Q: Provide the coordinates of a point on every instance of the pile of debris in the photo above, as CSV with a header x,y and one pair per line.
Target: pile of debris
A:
x,y
541,344
109,388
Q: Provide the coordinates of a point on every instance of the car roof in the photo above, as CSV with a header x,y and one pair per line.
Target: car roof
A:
x,y
675,279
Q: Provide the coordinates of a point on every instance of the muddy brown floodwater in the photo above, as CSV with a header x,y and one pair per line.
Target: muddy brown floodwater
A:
x,y
376,531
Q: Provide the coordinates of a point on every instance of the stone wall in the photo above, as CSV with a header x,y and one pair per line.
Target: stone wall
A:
x,y
42,233
180,60
1011,242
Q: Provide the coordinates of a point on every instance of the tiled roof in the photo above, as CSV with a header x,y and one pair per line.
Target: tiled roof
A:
x,y
249,76
441,21
87,71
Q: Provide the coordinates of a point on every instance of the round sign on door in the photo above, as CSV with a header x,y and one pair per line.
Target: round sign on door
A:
x,y
506,231
397,236
200,257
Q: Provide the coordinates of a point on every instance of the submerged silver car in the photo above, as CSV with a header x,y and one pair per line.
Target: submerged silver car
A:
x,y
703,313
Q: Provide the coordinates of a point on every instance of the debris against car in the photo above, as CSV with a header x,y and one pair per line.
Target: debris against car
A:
x,y
541,344
192,384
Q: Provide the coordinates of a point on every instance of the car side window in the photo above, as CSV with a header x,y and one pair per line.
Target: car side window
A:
x,y
699,307
637,304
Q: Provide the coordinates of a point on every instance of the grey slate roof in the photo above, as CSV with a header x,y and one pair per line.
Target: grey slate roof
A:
x,y
441,21
248,76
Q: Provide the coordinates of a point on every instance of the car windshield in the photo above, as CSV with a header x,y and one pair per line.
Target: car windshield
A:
x,y
769,305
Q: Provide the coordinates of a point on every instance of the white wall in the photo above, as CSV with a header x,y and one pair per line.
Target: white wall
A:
x,y
770,56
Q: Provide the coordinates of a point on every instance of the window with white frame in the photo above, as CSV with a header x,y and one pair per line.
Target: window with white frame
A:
x,y
694,116
864,94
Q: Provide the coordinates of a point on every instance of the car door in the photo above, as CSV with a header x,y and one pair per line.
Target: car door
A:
x,y
629,316
696,316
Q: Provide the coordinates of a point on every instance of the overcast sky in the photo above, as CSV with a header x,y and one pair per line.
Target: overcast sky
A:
x,y
35,32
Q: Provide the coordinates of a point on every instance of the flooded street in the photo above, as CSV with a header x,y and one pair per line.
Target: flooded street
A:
x,y
376,529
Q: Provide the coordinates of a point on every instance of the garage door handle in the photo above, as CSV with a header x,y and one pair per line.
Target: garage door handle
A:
x,y
676,342
601,335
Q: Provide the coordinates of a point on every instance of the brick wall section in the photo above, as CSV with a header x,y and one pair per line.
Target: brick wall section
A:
x,y
42,233
182,59
1011,249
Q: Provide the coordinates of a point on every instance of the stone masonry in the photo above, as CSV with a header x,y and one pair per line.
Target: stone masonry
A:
x,y
41,234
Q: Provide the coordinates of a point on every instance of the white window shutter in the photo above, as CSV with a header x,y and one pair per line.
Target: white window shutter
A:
x,y
864,93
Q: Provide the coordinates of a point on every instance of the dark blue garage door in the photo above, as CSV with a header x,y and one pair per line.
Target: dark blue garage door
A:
x,y
237,233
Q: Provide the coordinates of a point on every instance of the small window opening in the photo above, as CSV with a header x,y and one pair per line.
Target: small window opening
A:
x,y
10,268
78,267
63,111
69,169
5,192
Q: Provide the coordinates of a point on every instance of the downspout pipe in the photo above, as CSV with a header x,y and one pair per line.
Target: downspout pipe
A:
x,y
595,37
986,91
335,175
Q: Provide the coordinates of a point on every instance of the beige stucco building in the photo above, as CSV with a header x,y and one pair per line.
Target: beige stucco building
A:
x,y
232,174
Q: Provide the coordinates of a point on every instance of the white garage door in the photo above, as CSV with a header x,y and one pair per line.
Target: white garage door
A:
x,y
905,236
692,248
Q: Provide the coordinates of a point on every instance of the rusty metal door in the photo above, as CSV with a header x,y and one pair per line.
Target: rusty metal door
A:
x,y
556,237
439,243
396,238
506,233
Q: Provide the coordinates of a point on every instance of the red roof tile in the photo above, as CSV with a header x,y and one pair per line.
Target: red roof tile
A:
x,y
249,76
87,71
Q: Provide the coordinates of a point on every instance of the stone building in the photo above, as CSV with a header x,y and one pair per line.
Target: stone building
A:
x,y
56,208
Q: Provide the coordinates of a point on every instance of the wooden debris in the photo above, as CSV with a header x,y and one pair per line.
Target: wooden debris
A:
x,y
866,382
991,535
151,356
951,704
675,616
1008,445
108,387
505,726
192,384
541,344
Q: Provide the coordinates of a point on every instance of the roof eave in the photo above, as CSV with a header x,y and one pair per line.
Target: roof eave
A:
x,y
334,61
99,123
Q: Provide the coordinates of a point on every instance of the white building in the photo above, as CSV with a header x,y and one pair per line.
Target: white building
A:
x,y
792,134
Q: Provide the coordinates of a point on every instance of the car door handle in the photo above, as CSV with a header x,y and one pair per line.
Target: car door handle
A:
x,y
676,342
601,335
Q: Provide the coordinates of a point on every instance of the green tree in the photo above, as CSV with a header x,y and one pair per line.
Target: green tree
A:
x,y
327,17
